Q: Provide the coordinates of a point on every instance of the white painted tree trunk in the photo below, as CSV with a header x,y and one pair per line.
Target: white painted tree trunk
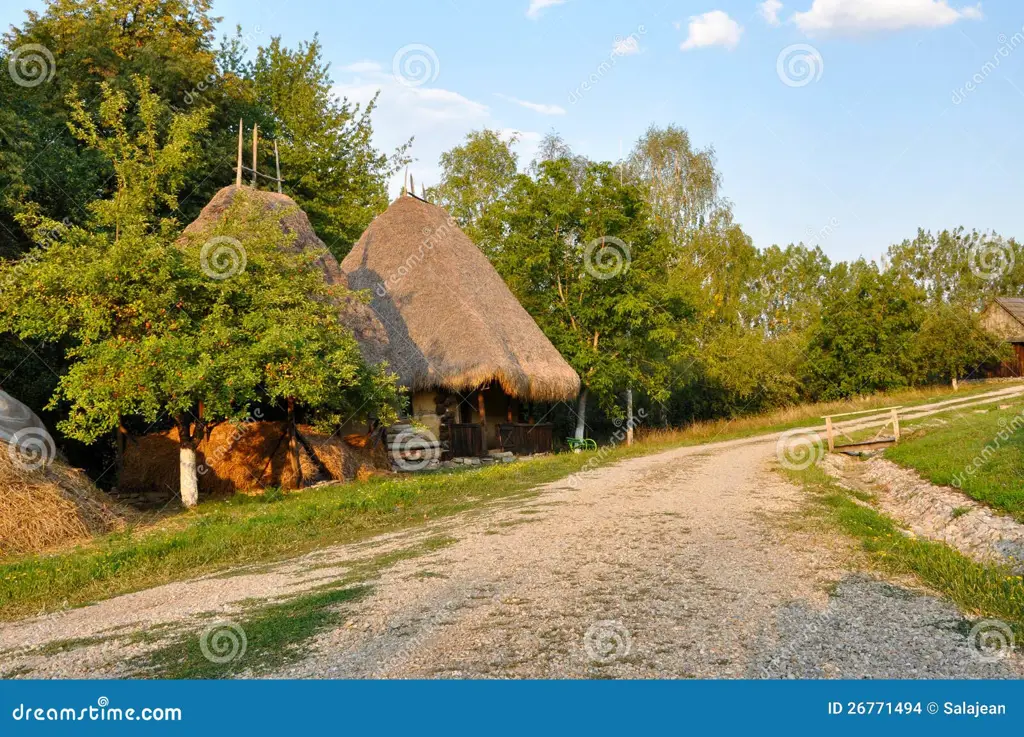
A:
x,y
189,478
581,415
956,384
629,417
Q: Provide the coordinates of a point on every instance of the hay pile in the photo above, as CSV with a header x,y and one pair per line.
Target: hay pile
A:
x,y
51,507
248,457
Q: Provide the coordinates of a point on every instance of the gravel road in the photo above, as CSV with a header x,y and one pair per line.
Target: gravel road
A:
x,y
691,563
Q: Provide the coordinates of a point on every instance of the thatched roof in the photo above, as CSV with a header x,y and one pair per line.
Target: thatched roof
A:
x,y
451,321
357,316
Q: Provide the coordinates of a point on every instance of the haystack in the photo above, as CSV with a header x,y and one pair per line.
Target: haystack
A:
x,y
356,315
51,507
248,457
451,321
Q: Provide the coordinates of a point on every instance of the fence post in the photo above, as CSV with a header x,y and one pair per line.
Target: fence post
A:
x,y
828,433
896,425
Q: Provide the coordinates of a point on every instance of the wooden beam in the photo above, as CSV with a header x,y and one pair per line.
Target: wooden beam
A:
x,y
831,436
483,418
255,146
896,425
238,171
277,166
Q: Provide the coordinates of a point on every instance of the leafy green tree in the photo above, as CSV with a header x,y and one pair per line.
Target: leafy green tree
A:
x,y
585,261
950,344
475,176
328,160
153,330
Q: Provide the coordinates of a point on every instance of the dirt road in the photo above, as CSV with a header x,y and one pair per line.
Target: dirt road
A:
x,y
693,563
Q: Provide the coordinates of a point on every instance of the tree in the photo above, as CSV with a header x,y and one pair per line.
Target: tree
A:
x,y
951,343
585,261
328,160
681,182
475,176
152,332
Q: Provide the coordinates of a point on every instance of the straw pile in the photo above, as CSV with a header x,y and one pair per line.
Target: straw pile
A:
x,y
51,507
243,458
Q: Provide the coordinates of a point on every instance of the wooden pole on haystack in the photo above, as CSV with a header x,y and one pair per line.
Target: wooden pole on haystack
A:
x,y
277,166
238,169
255,146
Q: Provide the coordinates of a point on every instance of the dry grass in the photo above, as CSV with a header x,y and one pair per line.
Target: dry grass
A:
x,y
806,414
52,507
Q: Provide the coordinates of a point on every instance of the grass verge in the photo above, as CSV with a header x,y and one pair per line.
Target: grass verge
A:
x,y
981,453
985,589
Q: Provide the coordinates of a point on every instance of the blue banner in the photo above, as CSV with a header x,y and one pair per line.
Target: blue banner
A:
x,y
518,707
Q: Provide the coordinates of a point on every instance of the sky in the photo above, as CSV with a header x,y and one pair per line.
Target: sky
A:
x,y
843,123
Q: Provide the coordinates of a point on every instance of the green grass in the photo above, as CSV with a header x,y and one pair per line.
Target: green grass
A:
x,y
984,589
221,535
981,454
274,636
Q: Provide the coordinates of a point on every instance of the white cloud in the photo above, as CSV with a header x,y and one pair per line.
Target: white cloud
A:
x,y
861,16
537,107
715,28
437,119
769,10
626,46
537,6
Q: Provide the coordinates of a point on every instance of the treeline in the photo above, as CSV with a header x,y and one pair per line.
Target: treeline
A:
x,y
640,275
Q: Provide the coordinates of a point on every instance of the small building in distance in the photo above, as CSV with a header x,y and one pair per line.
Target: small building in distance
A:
x,y
1004,317
477,366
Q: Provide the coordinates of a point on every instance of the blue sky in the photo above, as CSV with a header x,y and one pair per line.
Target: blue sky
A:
x,y
876,134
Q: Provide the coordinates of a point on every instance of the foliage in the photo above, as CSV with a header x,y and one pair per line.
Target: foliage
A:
x,y
152,332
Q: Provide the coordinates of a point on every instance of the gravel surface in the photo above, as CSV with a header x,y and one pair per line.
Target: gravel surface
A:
x,y
936,512
694,562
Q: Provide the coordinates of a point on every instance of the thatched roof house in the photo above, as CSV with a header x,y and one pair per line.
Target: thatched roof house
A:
x,y
456,335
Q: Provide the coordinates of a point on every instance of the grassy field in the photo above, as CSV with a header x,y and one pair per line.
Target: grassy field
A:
x,y
243,530
985,590
981,453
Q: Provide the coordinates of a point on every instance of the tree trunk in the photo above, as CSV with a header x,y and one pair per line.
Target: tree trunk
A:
x,y
189,480
293,444
629,416
955,383
581,415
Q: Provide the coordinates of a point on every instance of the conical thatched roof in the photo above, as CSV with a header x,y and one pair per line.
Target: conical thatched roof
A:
x,y
357,316
451,321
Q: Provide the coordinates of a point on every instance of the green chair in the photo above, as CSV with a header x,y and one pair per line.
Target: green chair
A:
x,y
576,445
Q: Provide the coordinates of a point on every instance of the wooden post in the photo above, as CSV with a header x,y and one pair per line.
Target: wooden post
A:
x,y
629,416
828,433
509,414
255,146
238,171
277,166
293,443
483,418
896,425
